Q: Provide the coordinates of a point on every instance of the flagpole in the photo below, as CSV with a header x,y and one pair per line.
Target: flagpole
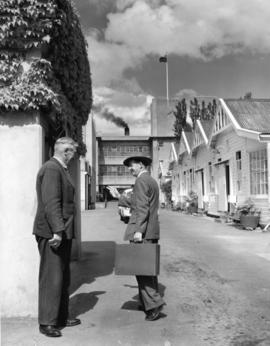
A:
x,y
167,80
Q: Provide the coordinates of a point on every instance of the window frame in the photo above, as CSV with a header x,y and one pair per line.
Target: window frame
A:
x,y
260,167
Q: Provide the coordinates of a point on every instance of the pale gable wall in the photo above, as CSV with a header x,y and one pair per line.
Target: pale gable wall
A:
x,y
182,147
229,143
175,183
198,138
203,157
186,164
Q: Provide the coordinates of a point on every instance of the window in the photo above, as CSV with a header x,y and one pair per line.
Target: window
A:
x,y
258,172
114,170
185,187
188,181
192,178
238,170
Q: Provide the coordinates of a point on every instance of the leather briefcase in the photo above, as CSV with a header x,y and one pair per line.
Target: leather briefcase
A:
x,y
137,259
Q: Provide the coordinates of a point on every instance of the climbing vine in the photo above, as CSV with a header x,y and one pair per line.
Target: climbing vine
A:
x,y
59,80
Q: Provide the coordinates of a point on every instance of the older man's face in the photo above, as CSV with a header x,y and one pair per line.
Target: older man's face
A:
x,y
135,168
68,151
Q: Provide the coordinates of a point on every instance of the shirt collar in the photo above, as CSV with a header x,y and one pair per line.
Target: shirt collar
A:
x,y
144,171
60,161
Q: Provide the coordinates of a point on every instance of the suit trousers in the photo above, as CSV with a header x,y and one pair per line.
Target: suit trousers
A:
x,y
54,281
148,288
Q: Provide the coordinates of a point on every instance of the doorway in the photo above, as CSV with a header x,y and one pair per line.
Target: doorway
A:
x,y
200,187
223,185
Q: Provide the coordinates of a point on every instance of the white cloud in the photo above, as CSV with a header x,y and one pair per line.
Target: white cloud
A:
x,y
123,4
207,29
204,30
186,93
138,29
109,60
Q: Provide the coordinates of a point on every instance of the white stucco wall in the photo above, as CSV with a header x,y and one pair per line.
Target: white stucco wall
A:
x,y
20,159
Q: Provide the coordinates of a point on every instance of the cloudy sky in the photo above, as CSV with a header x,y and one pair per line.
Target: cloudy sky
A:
x,y
215,48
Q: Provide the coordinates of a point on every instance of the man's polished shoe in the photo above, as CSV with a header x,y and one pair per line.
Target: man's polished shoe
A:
x,y
71,322
50,331
153,314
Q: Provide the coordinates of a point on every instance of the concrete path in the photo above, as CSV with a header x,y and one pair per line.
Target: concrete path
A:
x,y
107,304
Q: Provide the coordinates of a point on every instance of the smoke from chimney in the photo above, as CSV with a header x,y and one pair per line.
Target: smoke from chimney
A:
x,y
106,114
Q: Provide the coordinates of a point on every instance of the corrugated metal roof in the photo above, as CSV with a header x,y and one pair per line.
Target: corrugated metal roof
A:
x,y
207,126
189,136
251,114
177,146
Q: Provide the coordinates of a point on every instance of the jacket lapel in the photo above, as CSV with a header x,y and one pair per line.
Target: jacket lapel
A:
x,y
65,171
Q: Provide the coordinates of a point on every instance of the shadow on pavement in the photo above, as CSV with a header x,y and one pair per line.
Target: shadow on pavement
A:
x,y
97,260
83,302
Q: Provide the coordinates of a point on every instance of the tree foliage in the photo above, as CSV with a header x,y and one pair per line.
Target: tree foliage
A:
x,y
166,188
180,114
58,82
197,110
247,96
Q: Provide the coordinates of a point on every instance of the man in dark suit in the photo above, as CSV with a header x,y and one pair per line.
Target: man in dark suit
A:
x,y
53,228
143,226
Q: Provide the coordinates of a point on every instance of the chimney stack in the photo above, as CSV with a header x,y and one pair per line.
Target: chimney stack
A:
x,y
126,131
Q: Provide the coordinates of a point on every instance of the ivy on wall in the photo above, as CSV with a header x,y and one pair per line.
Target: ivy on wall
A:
x,y
30,91
59,81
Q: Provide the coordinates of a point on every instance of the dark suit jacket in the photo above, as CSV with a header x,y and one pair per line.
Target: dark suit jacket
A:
x,y
56,206
144,208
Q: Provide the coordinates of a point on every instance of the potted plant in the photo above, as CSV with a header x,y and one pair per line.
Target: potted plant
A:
x,y
249,215
192,202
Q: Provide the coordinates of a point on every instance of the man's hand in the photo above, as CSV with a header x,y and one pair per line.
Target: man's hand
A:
x,y
137,237
55,241
114,192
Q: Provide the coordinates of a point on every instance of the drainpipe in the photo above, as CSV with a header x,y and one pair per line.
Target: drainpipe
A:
x,y
265,137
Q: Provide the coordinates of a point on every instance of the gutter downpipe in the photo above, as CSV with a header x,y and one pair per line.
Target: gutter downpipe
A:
x,y
265,137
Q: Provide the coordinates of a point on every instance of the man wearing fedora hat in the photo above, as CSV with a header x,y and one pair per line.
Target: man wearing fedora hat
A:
x,y
143,226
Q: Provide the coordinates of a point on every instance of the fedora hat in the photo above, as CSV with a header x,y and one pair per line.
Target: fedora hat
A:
x,y
146,161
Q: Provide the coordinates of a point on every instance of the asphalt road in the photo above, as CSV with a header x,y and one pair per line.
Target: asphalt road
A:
x,y
214,278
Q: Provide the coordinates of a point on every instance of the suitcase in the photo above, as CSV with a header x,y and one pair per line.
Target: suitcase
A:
x,y
137,259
